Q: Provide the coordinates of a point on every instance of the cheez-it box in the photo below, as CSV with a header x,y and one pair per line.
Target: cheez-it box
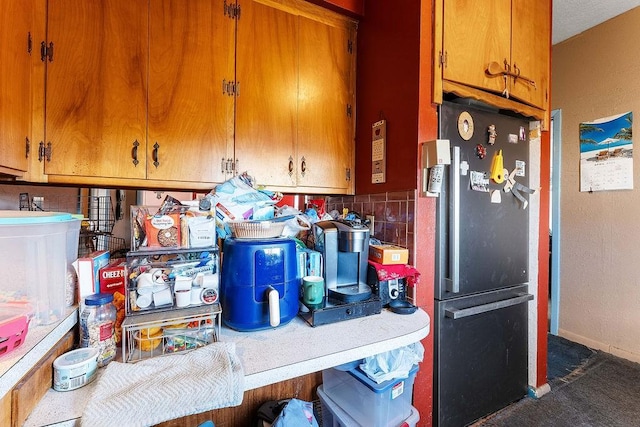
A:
x,y
112,281
388,254
113,277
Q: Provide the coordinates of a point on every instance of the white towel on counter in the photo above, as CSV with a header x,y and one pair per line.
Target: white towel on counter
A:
x,y
168,387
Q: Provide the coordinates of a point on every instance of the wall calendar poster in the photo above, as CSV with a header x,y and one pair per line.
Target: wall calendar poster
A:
x,y
606,154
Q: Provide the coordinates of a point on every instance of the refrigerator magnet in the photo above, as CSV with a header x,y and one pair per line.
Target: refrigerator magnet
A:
x,y
492,134
479,182
465,125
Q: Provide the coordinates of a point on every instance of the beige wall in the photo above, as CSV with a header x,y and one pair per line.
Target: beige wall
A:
x,y
595,75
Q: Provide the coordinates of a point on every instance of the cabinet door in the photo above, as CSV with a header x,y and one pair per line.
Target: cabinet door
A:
x,y
15,85
190,118
475,33
326,110
96,90
267,96
530,50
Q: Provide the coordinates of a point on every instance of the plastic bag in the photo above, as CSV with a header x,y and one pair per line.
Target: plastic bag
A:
x,y
297,413
299,221
393,364
295,225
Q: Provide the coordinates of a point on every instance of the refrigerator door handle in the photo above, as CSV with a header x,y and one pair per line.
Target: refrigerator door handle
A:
x,y
453,283
454,313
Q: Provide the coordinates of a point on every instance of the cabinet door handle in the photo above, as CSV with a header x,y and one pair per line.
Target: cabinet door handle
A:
x,y
156,146
303,166
134,152
290,165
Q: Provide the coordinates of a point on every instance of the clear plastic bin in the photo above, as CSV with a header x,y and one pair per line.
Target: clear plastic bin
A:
x,y
36,251
368,403
334,416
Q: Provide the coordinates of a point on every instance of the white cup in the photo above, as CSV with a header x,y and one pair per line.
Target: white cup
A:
x,y
150,282
162,297
196,291
182,283
183,297
144,300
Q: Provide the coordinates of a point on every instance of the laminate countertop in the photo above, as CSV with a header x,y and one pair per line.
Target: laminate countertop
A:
x,y
275,355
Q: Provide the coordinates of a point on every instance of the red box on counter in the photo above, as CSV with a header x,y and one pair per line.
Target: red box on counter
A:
x,y
113,276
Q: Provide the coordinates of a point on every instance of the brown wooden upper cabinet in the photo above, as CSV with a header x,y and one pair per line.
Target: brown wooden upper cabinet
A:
x,y
16,53
501,47
134,90
164,93
295,100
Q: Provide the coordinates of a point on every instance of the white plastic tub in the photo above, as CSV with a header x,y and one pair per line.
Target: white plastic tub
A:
x,y
36,251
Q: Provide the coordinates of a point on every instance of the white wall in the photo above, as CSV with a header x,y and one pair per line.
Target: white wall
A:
x,y
595,75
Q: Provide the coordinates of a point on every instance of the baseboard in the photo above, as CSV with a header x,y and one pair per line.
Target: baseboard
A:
x,y
538,392
597,345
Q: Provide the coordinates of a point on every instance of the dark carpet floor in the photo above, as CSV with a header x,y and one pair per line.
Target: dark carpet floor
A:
x,y
588,389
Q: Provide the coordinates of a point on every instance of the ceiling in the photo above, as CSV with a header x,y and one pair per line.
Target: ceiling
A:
x,y
571,17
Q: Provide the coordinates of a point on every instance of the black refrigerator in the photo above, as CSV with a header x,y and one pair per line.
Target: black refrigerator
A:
x,y
481,278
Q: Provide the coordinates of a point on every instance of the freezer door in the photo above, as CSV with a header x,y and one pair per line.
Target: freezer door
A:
x,y
480,245
481,355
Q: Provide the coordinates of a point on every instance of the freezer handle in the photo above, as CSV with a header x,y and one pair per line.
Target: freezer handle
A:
x,y
454,313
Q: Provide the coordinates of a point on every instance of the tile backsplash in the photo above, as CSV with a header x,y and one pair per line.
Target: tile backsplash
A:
x,y
393,213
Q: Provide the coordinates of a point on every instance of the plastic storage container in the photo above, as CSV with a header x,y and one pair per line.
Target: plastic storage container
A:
x,y
14,325
368,403
75,369
334,416
36,250
97,322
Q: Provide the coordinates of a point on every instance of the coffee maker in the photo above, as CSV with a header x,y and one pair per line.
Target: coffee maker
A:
x,y
344,246
344,249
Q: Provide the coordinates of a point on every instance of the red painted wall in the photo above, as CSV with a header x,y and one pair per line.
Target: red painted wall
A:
x,y
394,82
388,67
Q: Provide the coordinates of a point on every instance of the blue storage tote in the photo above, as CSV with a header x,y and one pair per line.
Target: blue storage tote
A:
x,y
367,402
334,416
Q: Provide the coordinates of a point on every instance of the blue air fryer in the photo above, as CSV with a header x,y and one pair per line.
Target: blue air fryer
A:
x,y
259,287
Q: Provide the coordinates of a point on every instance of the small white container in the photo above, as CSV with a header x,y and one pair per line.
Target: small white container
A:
x,y
75,369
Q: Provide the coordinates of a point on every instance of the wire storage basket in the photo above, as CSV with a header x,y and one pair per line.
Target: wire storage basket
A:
x,y
100,214
159,334
91,242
